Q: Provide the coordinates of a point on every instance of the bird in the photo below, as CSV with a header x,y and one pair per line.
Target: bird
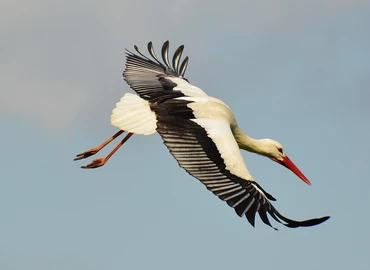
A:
x,y
200,131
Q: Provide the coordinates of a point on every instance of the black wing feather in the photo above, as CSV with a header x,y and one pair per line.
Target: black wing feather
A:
x,y
165,49
176,58
152,53
194,151
151,79
183,67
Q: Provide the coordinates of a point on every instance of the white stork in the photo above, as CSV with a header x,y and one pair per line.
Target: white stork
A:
x,y
200,131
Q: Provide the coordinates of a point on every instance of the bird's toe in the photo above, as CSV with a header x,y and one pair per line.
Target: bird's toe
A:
x,y
98,162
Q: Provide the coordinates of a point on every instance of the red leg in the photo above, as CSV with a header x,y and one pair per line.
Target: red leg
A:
x,y
98,162
95,150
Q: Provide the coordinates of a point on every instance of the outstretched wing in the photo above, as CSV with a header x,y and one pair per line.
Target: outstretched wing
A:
x,y
155,81
207,150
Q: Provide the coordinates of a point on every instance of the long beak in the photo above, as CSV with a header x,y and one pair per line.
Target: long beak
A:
x,y
286,162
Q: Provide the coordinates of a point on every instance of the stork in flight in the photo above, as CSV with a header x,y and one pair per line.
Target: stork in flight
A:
x,y
200,131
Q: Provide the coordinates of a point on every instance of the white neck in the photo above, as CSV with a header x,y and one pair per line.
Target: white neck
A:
x,y
248,143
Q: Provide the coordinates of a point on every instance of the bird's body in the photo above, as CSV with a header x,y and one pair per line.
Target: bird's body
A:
x,y
200,131
136,115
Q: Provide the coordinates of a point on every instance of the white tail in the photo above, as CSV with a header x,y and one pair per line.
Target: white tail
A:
x,y
133,114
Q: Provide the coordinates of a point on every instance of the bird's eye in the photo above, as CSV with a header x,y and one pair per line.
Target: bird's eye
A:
x,y
280,150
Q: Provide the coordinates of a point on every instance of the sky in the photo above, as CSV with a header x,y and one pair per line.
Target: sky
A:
x,y
294,71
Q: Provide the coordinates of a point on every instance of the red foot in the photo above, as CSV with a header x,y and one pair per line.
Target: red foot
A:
x,y
87,154
96,163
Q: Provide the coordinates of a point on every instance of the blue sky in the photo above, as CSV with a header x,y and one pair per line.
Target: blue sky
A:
x,y
294,72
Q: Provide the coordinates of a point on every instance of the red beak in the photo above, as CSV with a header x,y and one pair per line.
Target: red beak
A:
x,y
290,165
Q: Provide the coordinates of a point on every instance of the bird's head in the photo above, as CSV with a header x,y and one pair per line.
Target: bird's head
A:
x,y
275,151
